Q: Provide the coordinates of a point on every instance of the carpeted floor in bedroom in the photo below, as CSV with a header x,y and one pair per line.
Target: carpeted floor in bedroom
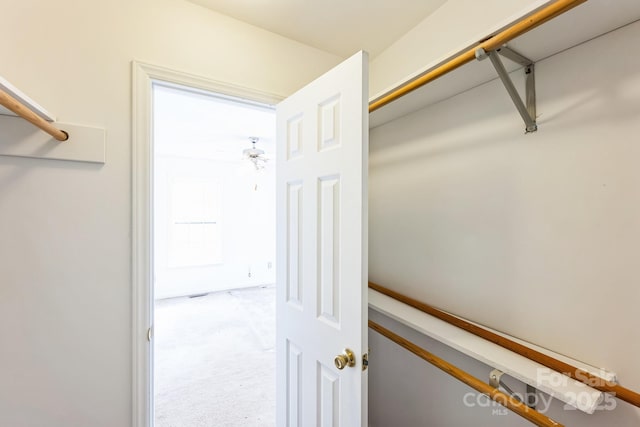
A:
x,y
215,360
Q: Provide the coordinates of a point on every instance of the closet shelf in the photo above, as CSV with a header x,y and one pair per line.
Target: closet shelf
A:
x,y
18,115
563,388
24,99
582,23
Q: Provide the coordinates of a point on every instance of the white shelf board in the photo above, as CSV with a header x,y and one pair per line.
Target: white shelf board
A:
x,y
24,99
563,388
20,138
585,22
609,376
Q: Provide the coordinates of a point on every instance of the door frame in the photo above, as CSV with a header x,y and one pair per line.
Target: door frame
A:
x,y
143,77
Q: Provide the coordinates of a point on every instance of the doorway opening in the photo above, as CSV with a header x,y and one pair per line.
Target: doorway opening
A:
x,y
213,293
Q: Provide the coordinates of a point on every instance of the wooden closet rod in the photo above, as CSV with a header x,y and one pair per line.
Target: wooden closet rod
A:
x,y
577,374
494,394
492,43
21,110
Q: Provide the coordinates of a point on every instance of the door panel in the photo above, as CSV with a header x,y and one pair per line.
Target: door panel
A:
x,y
322,153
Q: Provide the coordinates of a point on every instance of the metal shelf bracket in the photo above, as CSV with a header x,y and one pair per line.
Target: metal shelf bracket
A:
x,y
528,111
530,397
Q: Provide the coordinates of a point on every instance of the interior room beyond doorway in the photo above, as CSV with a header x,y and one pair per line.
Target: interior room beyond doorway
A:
x,y
214,259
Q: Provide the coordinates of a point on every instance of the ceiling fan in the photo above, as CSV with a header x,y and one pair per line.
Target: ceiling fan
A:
x,y
255,155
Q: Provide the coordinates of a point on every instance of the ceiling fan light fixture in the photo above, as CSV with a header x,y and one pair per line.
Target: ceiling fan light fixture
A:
x,y
255,155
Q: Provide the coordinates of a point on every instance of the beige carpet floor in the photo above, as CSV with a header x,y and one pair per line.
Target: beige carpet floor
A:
x,y
215,360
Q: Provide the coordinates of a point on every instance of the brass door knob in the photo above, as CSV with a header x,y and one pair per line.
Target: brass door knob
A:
x,y
347,358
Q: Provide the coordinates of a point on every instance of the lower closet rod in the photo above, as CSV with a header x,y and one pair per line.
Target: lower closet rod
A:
x,y
564,368
494,394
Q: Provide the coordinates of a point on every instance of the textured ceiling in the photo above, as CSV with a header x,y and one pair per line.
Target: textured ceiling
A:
x,y
341,27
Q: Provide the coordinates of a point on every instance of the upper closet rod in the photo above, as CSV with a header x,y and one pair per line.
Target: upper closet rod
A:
x,y
21,110
492,43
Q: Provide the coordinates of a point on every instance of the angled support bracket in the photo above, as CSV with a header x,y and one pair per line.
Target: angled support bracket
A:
x,y
528,111
495,381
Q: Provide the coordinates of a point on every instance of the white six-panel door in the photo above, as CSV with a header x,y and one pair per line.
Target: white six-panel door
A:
x,y
322,151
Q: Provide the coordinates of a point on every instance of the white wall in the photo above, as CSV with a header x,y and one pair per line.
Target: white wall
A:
x,y
65,287
247,222
535,235
484,210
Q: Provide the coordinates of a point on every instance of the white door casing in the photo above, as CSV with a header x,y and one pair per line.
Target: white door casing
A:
x,y
144,77
321,303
